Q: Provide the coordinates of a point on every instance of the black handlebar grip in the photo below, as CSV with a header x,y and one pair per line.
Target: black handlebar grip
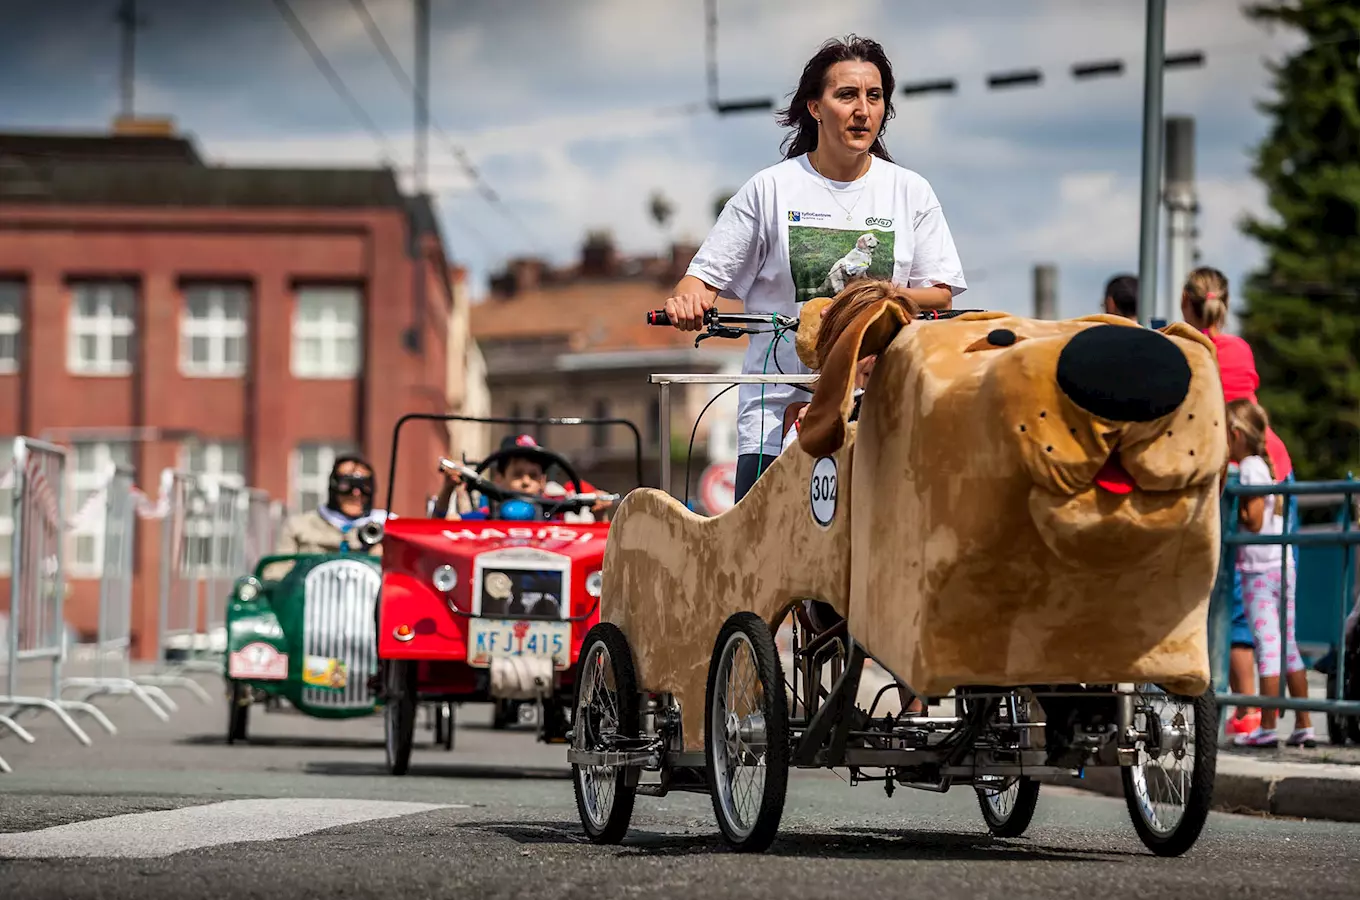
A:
x,y
658,317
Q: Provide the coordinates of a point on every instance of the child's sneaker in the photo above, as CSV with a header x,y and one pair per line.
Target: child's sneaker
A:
x,y
1244,724
1303,737
1258,739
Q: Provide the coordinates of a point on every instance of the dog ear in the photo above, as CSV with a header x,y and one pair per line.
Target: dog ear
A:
x,y
868,333
809,326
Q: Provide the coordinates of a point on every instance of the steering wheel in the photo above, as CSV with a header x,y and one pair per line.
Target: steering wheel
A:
x,y
550,505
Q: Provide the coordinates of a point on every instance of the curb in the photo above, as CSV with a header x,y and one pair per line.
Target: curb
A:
x,y
1289,796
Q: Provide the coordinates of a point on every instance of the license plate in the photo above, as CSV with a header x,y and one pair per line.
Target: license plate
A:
x,y
489,639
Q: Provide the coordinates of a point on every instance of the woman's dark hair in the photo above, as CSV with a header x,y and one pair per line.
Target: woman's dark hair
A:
x,y
813,83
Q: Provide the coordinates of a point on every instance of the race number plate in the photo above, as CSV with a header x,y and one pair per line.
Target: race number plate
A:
x,y
492,638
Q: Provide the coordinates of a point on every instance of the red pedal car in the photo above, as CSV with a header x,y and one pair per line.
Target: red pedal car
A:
x,y
489,610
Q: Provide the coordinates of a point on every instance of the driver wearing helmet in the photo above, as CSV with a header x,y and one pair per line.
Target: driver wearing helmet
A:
x,y
335,523
523,467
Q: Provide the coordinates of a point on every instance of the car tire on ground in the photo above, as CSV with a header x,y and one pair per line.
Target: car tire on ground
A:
x,y
238,712
444,722
605,673
1177,834
750,719
399,714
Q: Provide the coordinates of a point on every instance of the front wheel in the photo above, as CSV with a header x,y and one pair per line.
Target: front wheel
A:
x,y
1168,795
238,712
605,712
746,733
399,714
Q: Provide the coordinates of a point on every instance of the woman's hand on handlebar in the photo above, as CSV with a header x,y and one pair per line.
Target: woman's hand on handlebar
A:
x,y
686,311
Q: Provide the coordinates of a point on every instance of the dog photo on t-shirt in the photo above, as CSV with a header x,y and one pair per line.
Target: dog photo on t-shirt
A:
x,y
825,260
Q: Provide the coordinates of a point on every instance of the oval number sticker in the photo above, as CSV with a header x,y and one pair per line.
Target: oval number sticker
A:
x,y
823,491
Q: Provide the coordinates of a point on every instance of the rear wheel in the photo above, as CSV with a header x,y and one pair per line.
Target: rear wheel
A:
x,y
1168,795
399,714
1008,805
746,733
605,705
238,712
443,724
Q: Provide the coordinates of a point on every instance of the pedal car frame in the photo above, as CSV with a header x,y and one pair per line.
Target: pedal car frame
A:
x,y
628,737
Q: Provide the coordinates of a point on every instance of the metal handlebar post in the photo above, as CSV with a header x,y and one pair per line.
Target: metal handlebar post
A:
x,y
664,382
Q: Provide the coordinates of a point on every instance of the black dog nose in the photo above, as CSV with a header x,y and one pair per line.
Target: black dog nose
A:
x,y
1123,373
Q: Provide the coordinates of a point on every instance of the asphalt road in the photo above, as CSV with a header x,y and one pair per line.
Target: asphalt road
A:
x,y
306,810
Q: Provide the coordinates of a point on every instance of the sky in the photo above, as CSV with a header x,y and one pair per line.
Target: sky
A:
x,y
576,111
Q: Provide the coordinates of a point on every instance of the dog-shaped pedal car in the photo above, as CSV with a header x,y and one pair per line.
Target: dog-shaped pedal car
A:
x,y
1022,522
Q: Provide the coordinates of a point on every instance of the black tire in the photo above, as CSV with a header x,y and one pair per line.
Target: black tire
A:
x,y
505,714
750,630
1178,839
444,721
605,826
399,714
1337,724
1014,822
238,712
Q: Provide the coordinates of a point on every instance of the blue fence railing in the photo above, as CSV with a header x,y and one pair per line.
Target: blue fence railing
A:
x,y
1325,566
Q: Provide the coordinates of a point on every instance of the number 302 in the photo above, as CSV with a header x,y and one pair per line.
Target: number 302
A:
x,y
823,488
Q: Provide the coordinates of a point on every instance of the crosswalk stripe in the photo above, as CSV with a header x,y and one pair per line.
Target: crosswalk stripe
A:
x,y
152,834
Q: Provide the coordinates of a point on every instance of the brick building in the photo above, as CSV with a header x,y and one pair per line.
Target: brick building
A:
x,y
574,342
245,323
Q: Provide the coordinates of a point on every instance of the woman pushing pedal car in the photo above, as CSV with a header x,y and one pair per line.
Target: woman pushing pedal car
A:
x,y
836,210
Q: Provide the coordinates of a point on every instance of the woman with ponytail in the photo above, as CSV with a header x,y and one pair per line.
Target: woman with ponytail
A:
x,y
1259,566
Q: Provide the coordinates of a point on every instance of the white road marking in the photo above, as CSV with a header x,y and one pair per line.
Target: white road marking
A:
x,y
152,834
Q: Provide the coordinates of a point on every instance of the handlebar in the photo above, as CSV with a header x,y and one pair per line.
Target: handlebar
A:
x,y
554,503
714,318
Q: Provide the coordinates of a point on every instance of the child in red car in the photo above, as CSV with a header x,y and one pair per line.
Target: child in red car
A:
x,y
523,467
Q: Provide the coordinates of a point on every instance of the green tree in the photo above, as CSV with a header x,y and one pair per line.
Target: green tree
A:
x,y
1302,310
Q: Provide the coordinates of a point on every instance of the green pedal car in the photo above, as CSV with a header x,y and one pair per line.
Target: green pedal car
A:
x,y
301,629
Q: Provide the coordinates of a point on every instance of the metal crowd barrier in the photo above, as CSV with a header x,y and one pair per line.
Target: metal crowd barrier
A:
x,y
113,645
1327,597
37,628
210,535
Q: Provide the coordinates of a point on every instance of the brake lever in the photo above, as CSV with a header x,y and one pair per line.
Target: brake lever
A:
x,y
723,331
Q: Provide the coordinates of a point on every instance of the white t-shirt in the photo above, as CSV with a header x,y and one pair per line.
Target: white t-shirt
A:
x,y
1261,557
790,235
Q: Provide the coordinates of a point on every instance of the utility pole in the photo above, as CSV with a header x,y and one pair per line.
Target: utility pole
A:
x,y
1182,208
128,19
1154,63
422,93
1046,291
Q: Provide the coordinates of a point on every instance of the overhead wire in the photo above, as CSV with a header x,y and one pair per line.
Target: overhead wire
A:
x,y
398,71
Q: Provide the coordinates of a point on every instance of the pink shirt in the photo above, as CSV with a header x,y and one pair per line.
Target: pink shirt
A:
x,y
1237,370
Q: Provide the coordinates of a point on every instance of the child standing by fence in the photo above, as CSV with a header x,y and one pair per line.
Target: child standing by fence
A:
x,y
1259,566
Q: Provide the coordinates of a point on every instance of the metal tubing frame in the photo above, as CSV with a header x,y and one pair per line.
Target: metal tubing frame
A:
x,y
664,382
12,700
1346,492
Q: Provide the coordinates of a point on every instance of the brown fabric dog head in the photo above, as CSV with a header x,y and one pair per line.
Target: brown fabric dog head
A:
x,y
834,335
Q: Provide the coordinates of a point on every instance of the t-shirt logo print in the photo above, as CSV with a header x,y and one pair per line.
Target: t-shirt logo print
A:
x,y
883,223
795,217
825,260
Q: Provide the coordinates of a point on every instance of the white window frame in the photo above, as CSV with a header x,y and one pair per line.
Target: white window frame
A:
x,y
104,326
217,328
12,320
341,318
326,453
90,480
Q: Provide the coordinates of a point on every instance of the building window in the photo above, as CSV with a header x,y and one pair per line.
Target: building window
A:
x,y
89,468
11,324
541,429
312,464
326,327
6,501
101,328
212,333
599,432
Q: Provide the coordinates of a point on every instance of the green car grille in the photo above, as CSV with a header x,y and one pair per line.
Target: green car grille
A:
x,y
338,630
